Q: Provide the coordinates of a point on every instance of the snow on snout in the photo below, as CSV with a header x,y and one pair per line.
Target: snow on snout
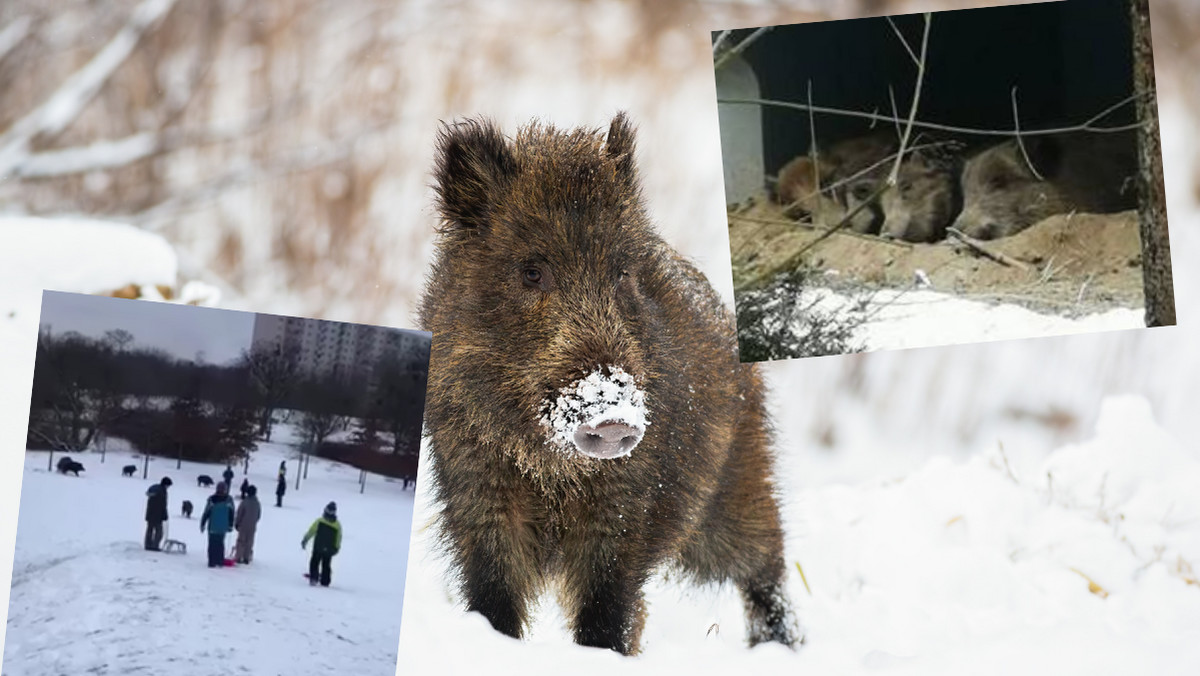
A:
x,y
602,415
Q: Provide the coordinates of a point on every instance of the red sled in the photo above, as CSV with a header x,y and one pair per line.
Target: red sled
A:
x,y
230,563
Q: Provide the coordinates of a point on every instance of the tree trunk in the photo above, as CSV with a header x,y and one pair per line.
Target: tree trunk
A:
x,y
1152,214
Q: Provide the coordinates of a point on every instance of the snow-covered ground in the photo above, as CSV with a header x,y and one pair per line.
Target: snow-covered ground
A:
x,y
87,598
955,567
922,318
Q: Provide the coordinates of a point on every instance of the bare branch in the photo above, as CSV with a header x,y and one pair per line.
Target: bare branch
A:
x,y
903,41
299,160
125,151
1088,126
716,48
65,104
1021,141
916,102
741,46
813,151
13,34
978,247
895,113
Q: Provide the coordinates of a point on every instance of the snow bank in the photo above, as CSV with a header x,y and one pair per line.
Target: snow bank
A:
x,y
959,567
77,255
902,319
928,318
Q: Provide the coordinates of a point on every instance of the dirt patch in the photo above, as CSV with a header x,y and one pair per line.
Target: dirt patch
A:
x,y
1066,265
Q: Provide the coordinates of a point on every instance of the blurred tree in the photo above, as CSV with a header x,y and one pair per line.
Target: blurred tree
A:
x,y
274,373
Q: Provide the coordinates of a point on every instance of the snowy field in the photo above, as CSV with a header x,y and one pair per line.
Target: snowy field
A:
x,y
86,598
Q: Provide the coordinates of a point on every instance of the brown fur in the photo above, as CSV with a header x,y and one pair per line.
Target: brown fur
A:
x,y
520,515
926,197
798,194
841,161
1082,172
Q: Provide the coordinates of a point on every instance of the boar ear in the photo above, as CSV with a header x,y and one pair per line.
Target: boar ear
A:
x,y
1045,152
473,161
619,146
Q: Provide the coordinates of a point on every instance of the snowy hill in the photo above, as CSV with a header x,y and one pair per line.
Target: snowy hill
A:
x,y
87,598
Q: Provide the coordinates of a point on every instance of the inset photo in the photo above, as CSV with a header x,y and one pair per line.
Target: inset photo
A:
x,y
210,491
943,178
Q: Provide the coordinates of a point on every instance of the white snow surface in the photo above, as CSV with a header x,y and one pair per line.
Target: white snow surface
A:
x,y
956,567
86,598
78,255
605,394
907,319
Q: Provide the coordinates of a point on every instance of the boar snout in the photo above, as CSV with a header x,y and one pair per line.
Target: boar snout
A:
x,y
607,440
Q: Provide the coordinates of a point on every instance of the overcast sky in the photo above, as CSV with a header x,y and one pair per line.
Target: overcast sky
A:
x,y
180,330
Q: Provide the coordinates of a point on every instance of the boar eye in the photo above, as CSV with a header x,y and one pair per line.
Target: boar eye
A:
x,y
998,183
536,278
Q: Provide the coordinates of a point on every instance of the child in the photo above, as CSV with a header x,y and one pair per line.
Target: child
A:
x,y
246,523
328,540
218,516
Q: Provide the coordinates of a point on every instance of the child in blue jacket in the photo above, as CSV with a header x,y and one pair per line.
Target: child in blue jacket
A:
x,y
218,516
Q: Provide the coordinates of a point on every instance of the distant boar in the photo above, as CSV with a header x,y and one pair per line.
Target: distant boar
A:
x,y
68,465
927,197
589,421
128,470
1085,172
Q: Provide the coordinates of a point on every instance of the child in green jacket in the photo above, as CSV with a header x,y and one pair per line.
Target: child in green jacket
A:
x,y
326,533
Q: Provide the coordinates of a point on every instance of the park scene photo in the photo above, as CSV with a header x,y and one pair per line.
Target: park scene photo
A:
x,y
163,437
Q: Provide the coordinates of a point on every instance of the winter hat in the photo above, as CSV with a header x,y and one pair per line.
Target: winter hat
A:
x,y
252,490
166,481
221,488
331,509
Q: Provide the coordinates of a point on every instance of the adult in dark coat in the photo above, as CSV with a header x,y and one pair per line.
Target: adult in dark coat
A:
x,y
281,485
245,487
228,474
156,513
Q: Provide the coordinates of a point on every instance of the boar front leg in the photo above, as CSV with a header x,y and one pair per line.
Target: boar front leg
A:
x,y
602,594
496,542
